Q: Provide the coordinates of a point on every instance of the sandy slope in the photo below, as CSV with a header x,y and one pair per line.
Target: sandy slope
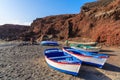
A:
x,y
27,63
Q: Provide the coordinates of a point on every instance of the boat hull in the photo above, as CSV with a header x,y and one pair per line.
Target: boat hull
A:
x,y
68,68
88,50
84,43
98,62
49,43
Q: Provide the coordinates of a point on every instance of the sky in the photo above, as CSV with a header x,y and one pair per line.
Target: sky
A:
x,y
25,11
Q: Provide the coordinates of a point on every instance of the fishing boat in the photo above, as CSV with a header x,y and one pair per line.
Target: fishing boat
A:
x,y
61,61
89,43
85,47
89,58
49,43
84,43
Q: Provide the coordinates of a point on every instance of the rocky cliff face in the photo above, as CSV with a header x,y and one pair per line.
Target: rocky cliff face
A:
x,y
12,32
98,21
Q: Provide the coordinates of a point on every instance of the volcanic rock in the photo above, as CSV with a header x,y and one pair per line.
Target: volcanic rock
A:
x,y
97,21
12,32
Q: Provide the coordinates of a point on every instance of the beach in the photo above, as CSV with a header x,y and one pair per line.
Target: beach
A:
x,y
26,62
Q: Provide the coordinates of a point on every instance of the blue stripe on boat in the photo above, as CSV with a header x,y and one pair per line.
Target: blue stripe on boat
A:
x,y
92,64
64,71
92,54
49,43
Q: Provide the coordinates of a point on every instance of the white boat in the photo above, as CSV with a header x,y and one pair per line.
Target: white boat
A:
x,y
91,49
85,47
84,43
61,61
88,43
89,58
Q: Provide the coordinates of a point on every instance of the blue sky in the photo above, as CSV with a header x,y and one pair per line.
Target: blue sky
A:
x,y
25,11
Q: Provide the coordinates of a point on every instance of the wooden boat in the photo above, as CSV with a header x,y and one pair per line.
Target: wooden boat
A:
x,y
85,47
49,43
61,61
90,58
89,43
84,43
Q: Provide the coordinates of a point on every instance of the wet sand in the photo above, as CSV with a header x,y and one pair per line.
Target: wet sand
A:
x,y
26,62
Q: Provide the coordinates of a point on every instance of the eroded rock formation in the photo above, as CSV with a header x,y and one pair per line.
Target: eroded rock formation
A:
x,y
98,21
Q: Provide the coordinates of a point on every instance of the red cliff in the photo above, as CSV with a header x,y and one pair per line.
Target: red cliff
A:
x,y
97,21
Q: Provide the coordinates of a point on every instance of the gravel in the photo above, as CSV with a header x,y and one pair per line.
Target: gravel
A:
x,y
26,62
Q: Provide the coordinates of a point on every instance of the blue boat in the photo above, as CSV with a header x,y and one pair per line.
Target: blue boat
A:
x,y
61,61
49,43
90,58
